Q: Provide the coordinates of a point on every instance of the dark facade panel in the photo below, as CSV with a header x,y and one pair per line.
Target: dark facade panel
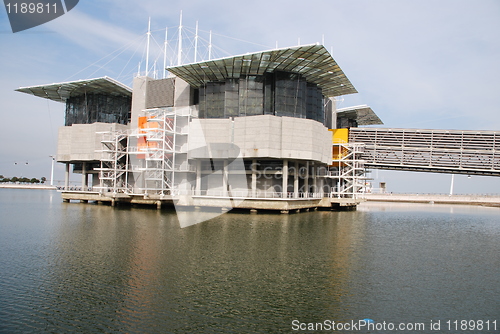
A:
x,y
251,96
279,93
92,108
160,93
290,95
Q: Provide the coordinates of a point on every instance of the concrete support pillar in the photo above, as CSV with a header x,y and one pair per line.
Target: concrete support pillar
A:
x,y
296,180
320,185
285,178
224,179
198,178
84,176
315,179
306,180
95,179
254,178
66,177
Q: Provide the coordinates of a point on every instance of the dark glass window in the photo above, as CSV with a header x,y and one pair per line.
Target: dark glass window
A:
x,y
278,93
269,94
212,98
290,95
232,98
91,108
314,108
251,100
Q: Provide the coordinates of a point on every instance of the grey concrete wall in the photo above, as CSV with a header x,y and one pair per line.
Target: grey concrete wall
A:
x,y
264,136
138,99
205,137
79,142
182,93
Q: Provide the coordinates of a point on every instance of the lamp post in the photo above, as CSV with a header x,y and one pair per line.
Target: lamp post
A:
x,y
52,170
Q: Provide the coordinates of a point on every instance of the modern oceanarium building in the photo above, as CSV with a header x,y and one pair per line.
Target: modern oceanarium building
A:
x,y
254,131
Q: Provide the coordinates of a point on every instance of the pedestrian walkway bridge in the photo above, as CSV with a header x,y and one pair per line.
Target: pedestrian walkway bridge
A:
x,y
438,151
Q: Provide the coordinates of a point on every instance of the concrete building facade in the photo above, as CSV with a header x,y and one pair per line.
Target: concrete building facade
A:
x,y
260,128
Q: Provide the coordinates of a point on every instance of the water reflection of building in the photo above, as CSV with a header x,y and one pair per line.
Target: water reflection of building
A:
x,y
260,127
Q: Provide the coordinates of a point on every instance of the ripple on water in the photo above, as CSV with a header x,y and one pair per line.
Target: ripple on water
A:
x,y
88,268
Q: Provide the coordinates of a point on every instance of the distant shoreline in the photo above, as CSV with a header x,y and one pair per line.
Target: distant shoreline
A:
x,y
481,200
28,186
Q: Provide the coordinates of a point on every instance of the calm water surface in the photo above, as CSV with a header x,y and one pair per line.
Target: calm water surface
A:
x,y
70,267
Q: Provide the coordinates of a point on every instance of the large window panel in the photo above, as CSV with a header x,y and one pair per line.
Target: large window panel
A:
x,y
232,98
213,100
251,95
315,108
91,108
279,93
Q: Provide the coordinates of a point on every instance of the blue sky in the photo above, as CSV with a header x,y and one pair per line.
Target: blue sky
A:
x,y
418,64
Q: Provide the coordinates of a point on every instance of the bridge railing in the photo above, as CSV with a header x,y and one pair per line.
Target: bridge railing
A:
x,y
446,151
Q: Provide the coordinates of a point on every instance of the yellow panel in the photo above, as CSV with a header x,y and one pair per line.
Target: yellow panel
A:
x,y
340,136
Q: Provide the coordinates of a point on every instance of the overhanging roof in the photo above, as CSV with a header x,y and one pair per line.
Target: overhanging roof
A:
x,y
314,62
62,91
364,115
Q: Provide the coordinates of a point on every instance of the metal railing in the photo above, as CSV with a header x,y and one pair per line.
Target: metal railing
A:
x,y
445,151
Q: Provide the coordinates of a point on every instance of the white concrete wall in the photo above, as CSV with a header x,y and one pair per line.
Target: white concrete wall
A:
x,y
182,93
79,142
138,99
205,137
264,136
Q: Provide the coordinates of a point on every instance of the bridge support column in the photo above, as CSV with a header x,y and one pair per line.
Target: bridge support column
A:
x,y
306,179
315,179
95,179
66,177
198,178
285,178
84,176
254,178
296,180
224,179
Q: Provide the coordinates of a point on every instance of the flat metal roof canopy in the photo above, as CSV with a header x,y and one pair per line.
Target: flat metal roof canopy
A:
x,y
364,115
60,92
314,62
